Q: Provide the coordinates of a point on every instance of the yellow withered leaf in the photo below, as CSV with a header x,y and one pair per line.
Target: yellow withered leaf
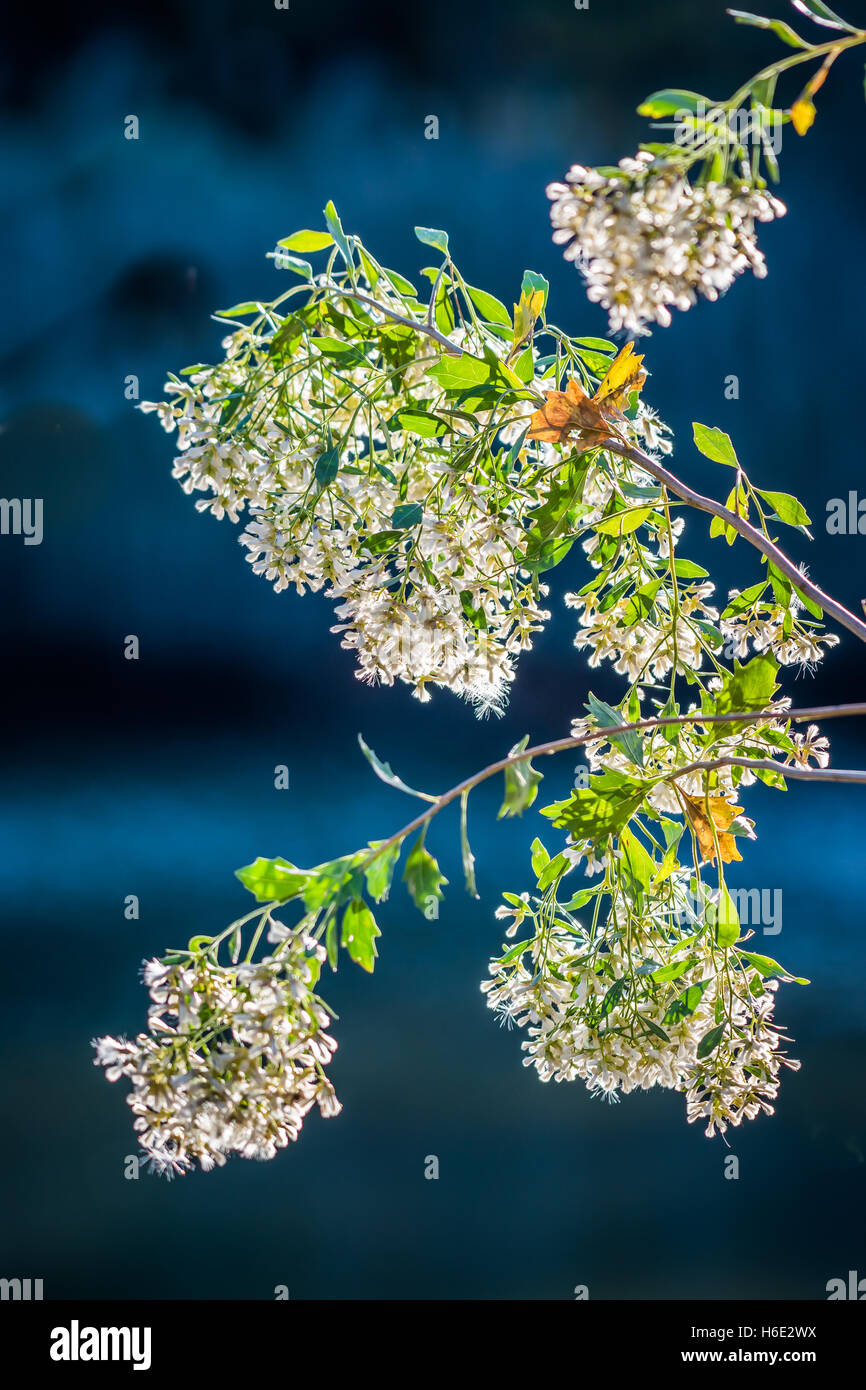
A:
x,y
803,115
624,375
525,314
722,814
574,412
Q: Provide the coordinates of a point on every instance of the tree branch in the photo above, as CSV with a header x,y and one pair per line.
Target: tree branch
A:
x,y
805,774
560,745
745,529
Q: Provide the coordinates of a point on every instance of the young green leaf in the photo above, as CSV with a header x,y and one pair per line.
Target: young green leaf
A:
x,y
715,444
385,772
670,102
273,880
423,877
631,743
598,810
335,227
685,1003
771,969
533,283
359,933
431,237
468,856
380,870
778,27
786,507
724,919
521,783
307,241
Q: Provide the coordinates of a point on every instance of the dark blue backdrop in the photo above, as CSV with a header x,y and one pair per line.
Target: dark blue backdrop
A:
x,y
156,777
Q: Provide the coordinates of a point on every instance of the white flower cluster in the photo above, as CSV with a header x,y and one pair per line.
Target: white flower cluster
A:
x,y
428,593
649,241
778,629
592,1015
233,1058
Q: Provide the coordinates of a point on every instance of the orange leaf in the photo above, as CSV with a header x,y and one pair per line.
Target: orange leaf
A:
x,y
721,815
573,412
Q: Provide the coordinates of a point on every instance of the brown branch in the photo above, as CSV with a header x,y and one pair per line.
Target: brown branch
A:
x,y
560,745
805,774
746,530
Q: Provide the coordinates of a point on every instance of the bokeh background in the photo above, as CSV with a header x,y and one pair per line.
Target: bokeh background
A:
x,y
155,777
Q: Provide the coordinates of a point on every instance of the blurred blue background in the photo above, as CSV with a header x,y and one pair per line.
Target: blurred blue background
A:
x,y
155,777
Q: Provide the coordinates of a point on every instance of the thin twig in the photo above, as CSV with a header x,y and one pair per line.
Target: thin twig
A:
x,y
453,349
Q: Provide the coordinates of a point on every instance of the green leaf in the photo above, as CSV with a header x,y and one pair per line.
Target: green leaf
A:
x,y
327,467
715,444
387,775
771,969
334,347
598,810
431,237
540,857
417,421
743,601
459,373
273,880
623,521
380,870
335,227
400,282
599,344
307,241
532,283
786,507
466,851
380,541
778,26
666,973
710,1041
822,14
747,687
607,718
639,868
808,602
422,875
669,102
614,995
475,613
685,1003
724,919
406,515
549,527
553,872
521,783
238,311
489,307
359,933
687,569
284,260
641,603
